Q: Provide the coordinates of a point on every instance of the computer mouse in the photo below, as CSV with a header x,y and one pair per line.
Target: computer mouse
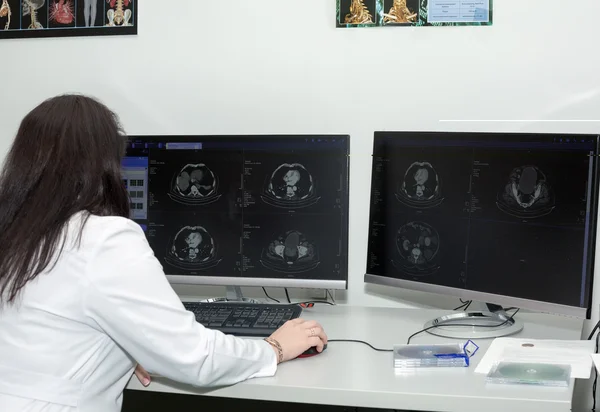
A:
x,y
312,352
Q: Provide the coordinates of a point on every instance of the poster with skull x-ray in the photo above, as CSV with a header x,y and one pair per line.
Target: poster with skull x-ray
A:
x,y
389,13
67,18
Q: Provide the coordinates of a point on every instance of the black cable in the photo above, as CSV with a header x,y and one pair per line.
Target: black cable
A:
x,y
287,295
594,330
463,305
360,341
461,325
311,303
595,385
431,327
269,297
467,307
306,304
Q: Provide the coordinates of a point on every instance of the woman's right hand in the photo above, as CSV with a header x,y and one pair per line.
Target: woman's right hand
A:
x,y
297,336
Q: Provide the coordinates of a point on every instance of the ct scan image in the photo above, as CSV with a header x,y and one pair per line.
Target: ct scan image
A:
x,y
306,182
192,248
421,179
290,252
295,246
420,187
423,248
194,184
527,194
519,186
418,246
196,243
195,180
290,185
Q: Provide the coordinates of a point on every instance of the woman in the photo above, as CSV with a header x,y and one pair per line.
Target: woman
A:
x,y
82,297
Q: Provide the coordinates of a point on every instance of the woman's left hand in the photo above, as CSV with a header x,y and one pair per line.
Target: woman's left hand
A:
x,y
142,375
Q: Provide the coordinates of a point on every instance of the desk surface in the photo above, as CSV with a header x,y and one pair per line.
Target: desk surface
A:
x,y
352,374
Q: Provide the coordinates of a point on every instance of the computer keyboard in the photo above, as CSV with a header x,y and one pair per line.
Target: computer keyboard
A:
x,y
243,319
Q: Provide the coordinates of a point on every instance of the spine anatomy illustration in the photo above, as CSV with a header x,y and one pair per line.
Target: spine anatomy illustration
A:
x,y
5,12
62,12
359,13
30,7
399,13
89,12
118,15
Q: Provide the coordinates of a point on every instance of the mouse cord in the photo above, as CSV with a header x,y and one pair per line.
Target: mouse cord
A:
x,y
360,341
435,326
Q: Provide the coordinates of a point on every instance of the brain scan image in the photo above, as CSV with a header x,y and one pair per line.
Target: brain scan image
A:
x,y
290,252
420,187
418,246
290,186
527,194
195,184
192,248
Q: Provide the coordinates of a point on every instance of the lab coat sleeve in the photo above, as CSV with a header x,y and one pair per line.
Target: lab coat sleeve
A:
x,y
130,299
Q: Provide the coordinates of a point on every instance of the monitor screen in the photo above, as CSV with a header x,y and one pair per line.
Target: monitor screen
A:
x,y
243,210
486,216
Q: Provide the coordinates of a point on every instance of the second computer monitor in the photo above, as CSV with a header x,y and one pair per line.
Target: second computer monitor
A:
x,y
500,218
243,210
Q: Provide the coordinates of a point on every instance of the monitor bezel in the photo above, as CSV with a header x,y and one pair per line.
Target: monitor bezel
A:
x,y
338,284
502,300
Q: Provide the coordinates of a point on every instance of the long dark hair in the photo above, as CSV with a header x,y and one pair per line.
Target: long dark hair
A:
x,y
66,158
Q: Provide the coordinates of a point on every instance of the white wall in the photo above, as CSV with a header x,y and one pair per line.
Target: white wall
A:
x,y
277,66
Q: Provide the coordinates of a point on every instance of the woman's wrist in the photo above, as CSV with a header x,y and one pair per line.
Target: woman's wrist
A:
x,y
276,348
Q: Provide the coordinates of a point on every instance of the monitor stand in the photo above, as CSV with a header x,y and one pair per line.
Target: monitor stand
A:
x,y
233,294
479,323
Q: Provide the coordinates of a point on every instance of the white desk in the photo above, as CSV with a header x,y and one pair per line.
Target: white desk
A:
x,y
352,374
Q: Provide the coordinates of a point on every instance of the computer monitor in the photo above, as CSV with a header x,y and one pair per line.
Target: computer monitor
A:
x,y
505,219
243,210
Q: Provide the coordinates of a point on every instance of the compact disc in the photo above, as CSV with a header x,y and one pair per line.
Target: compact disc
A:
x,y
426,351
531,373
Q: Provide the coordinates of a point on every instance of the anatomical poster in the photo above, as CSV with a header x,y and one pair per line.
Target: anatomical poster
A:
x,y
67,18
378,13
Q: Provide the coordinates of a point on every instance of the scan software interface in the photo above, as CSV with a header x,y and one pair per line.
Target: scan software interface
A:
x,y
501,214
246,206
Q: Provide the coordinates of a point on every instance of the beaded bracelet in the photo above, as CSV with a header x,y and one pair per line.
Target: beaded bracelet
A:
x,y
277,346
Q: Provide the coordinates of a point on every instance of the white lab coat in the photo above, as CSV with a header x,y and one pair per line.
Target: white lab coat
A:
x,y
72,340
